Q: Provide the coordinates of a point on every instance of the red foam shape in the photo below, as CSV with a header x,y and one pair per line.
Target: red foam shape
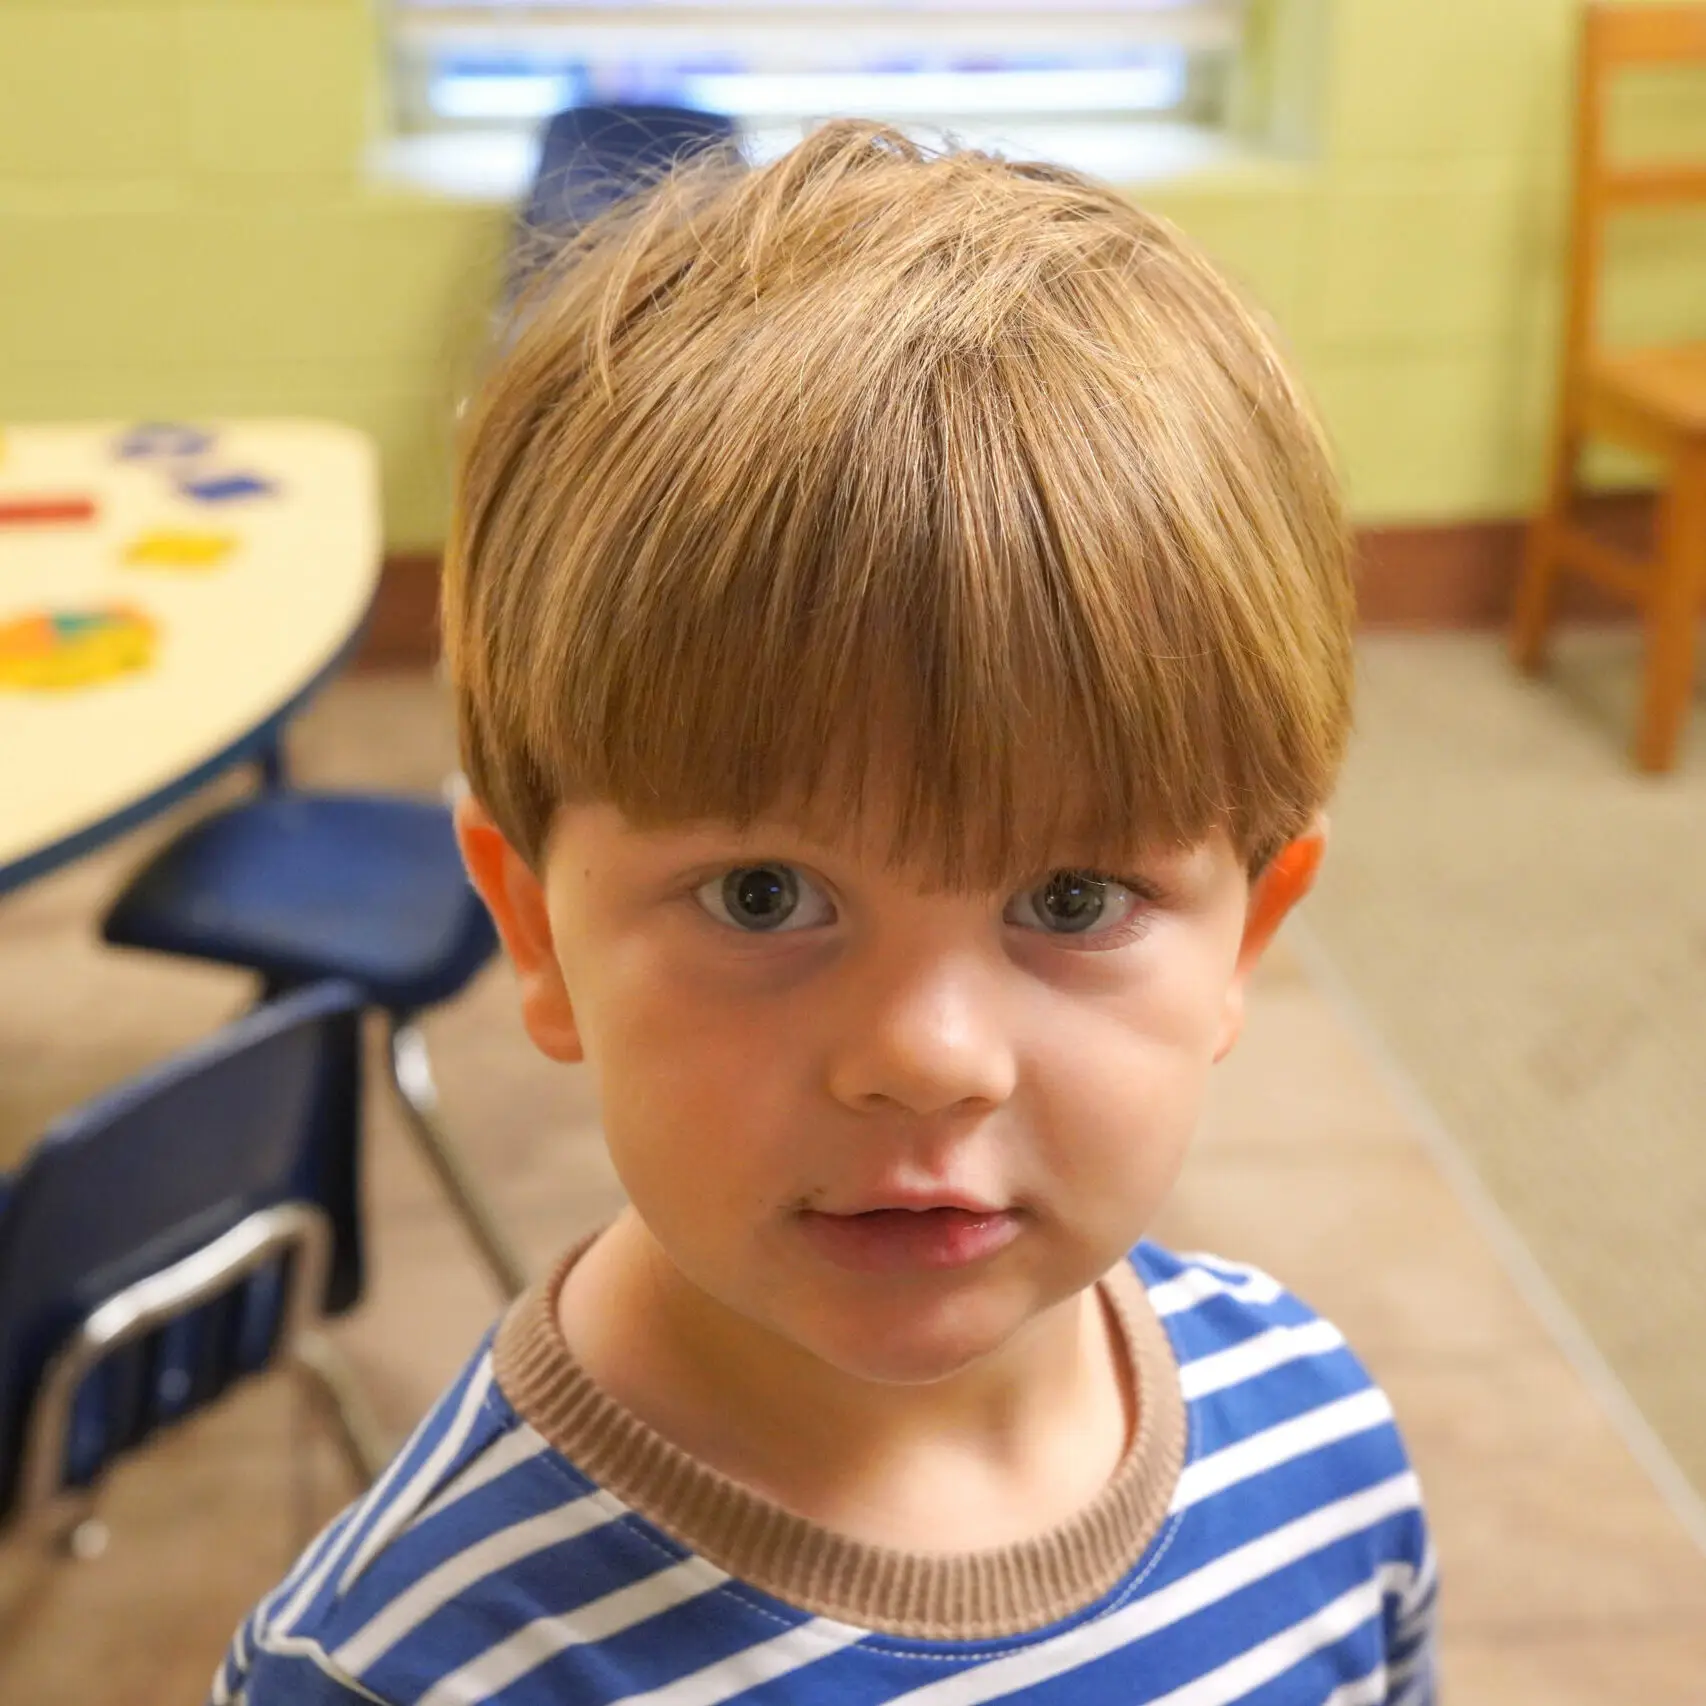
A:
x,y
44,511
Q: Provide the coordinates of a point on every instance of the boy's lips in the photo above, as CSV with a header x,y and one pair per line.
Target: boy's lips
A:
x,y
893,1239
914,1202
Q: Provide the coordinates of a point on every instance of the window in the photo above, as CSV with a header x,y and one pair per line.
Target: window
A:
x,y
1087,83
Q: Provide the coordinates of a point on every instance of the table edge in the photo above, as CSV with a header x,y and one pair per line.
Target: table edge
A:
x,y
250,744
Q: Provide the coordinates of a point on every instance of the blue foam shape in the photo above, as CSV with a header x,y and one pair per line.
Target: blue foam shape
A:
x,y
163,439
222,488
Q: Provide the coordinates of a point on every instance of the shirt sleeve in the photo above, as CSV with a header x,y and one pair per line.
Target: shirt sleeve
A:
x,y
1412,1617
302,1676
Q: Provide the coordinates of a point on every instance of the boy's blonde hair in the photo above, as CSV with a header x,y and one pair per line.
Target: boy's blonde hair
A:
x,y
874,470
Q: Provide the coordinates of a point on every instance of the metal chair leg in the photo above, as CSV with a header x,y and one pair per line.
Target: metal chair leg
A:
x,y
331,1384
270,762
69,1529
411,1074
85,1540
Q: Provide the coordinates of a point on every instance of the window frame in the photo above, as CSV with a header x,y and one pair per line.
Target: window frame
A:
x,y
418,32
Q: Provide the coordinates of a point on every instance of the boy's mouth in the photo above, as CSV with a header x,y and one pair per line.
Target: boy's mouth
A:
x,y
913,1200
933,1236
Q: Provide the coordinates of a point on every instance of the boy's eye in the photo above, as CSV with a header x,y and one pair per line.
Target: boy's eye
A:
x,y
765,898
1074,903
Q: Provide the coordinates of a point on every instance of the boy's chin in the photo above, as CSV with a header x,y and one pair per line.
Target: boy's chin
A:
x,y
920,1349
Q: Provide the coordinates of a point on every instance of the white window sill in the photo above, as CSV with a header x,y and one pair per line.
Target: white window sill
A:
x,y
497,168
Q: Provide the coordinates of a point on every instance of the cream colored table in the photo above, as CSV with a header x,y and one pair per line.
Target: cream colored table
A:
x,y
241,644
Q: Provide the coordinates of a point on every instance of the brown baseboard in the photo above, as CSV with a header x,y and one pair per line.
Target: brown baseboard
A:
x,y
1463,575
403,629
1459,575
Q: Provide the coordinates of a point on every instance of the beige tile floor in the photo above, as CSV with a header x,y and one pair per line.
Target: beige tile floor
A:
x,y
1568,1579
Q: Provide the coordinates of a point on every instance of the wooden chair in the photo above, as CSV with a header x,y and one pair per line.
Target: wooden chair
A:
x,y
1651,399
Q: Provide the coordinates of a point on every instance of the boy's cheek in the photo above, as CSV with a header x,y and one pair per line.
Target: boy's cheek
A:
x,y
677,1081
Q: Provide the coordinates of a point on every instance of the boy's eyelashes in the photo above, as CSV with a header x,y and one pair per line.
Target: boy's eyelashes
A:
x,y
1075,904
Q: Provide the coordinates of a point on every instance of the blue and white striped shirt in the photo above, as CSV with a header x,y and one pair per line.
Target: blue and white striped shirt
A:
x,y
1292,1567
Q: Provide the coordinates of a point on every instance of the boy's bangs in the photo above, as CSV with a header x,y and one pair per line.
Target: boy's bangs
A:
x,y
914,630
959,782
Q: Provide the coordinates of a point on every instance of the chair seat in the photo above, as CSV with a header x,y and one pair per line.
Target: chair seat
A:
x,y
303,886
1668,386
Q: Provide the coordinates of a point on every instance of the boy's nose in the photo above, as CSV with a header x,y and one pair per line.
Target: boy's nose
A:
x,y
924,1044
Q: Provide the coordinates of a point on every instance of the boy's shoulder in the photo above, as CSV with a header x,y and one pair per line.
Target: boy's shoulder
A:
x,y
1252,1354
412,1547
1212,1307
1282,1415
1294,1459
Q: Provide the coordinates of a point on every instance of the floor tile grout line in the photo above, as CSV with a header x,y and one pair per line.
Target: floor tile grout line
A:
x,y
1518,1260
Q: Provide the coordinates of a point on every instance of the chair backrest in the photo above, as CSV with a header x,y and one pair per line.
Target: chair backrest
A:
x,y
592,157
1616,37
265,1112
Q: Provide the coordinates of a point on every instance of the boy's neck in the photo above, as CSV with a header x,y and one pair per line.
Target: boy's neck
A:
x,y
1012,1447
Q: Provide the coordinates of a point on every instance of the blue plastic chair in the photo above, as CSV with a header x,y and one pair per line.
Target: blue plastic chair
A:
x,y
173,1237
298,887
592,157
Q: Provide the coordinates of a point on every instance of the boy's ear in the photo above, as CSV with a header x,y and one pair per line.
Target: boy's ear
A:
x,y
515,897
1283,882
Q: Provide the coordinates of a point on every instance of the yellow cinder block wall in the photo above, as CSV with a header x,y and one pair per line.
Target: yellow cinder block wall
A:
x,y
187,229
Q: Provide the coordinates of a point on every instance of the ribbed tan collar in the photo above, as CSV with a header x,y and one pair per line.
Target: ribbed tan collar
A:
x,y
955,1597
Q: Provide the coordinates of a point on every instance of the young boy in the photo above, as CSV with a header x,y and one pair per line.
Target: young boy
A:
x,y
899,616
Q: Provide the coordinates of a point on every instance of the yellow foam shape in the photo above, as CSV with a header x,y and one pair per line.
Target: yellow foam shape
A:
x,y
34,655
168,548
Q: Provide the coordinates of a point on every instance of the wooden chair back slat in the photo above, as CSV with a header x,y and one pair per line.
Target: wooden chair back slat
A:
x,y
1646,35
1653,186
1614,38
